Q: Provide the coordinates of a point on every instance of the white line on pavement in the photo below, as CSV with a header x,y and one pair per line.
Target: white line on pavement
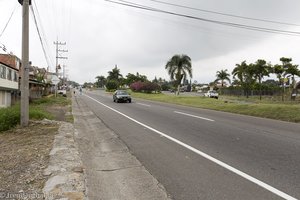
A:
x,y
218,162
143,104
195,116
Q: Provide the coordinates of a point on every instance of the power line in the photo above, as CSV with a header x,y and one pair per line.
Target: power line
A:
x,y
9,19
225,14
40,37
236,25
47,48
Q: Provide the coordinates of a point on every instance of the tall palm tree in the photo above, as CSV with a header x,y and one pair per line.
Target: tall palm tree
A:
x,y
284,69
239,71
101,80
260,69
114,74
245,73
222,76
292,71
179,67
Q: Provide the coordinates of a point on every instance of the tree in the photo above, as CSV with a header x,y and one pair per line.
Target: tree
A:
x,y
179,67
101,81
111,85
239,71
292,70
244,73
222,76
131,78
114,74
286,68
260,69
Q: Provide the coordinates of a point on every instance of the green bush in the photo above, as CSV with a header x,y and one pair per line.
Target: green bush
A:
x,y
111,85
9,117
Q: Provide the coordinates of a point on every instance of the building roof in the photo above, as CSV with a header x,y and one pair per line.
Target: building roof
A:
x,y
10,60
8,66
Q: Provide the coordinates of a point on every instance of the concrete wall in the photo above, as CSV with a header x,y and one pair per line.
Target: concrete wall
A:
x,y
5,99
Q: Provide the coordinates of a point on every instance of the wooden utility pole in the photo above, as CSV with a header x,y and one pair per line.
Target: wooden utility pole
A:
x,y
25,64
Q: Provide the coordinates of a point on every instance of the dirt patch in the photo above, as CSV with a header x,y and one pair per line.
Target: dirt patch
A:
x,y
23,157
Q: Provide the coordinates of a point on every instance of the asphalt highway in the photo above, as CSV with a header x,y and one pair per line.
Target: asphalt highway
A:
x,y
203,154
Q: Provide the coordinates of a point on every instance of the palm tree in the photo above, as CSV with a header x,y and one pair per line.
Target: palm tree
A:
x,y
245,73
101,80
286,68
292,71
179,67
114,74
239,71
260,69
222,76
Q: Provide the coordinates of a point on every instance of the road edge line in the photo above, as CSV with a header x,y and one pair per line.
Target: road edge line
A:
x,y
208,157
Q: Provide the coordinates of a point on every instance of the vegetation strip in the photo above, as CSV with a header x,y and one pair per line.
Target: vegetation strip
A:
x,y
10,117
280,111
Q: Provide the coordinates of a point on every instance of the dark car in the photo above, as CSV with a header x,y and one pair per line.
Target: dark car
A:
x,y
121,96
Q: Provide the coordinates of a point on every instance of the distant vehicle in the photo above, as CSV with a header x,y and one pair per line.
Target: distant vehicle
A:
x,y
62,92
121,96
212,94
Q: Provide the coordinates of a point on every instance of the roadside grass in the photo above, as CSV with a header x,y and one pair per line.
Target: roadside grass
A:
x,y
285,111
265,99
10,117
51,100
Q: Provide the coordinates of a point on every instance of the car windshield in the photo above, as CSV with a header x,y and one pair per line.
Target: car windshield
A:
x,y
122,93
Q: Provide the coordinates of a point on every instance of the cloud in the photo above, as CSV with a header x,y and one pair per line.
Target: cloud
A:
x,y
100,35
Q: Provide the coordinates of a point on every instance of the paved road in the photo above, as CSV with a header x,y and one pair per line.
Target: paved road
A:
x,y
203,154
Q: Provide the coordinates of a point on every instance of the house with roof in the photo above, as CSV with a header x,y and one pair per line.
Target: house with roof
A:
x,y
9,79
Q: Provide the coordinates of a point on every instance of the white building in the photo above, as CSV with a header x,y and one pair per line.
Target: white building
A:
x,y
9,84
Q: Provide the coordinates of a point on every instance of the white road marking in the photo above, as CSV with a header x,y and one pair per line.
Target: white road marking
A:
x,y
195,116
212,159
143,104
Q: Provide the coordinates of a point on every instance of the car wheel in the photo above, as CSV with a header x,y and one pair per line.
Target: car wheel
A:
x,y
129,101
114,100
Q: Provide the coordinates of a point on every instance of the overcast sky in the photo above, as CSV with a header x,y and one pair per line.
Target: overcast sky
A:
x,y
100,35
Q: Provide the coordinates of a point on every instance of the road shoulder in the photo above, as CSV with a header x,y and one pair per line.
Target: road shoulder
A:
x,y
112,172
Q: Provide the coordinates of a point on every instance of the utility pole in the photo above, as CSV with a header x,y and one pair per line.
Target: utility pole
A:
x,y
57,54
25,64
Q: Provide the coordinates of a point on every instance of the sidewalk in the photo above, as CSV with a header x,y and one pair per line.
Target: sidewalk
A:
x,y
112,172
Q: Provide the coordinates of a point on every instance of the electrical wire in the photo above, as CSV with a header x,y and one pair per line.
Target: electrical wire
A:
x,y
236,25
225,14
9,20
40,37
47,48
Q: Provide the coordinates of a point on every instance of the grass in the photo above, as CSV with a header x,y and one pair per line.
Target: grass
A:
x,y
10,117
285,111
51,100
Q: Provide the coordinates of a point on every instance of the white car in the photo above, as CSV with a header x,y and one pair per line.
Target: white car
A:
x,y
212,94
62,92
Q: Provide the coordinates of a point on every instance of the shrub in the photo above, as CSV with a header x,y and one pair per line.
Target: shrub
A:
x,y
51,99
146,87
111,85
9,117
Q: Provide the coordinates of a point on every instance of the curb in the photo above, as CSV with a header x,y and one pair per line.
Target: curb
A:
x,y
65,170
